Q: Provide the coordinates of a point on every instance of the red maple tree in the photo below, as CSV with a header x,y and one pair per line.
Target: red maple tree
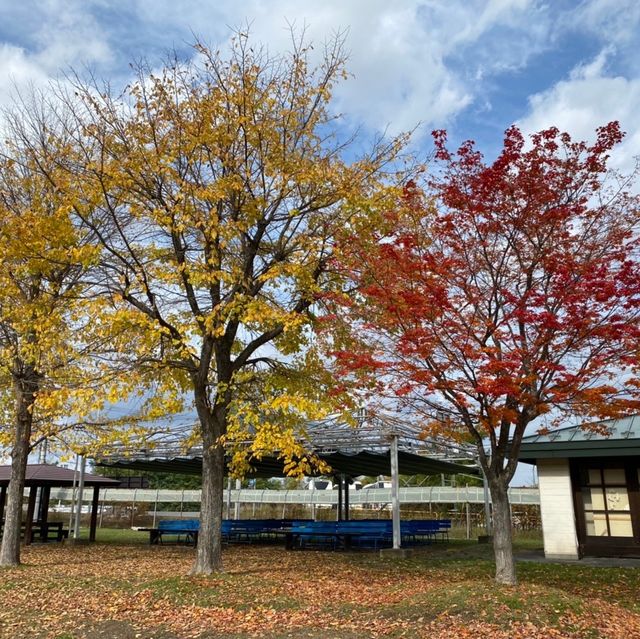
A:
x,y
498,293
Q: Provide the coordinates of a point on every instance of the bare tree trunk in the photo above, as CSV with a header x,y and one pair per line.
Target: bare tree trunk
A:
x,y
502,538
10,549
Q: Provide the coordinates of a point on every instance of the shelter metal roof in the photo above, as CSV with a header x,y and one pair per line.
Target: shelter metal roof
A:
x,y
607,438
362,463
359,450
49,475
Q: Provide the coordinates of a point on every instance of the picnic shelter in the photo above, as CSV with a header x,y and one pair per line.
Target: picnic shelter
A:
x,y
40,479
373,447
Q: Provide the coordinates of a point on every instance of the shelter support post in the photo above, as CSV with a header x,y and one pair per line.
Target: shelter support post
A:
x,y
313,501
73,494
339,513
346,482
28,524
487,505
133,505
43,511
236,506
94,513
155,509
3,501
76,526
395,491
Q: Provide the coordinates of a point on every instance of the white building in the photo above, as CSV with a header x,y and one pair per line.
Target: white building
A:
x,y
589,488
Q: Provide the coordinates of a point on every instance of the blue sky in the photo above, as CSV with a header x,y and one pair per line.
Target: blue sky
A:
x,y
471,67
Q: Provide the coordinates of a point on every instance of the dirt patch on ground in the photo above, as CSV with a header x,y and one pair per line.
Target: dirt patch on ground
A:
x,y
120,630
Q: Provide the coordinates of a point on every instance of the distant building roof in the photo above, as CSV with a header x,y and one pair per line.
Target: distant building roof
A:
x,y
607,438
49,475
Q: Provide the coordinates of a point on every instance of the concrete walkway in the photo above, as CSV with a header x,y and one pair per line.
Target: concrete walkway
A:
x,y
600,562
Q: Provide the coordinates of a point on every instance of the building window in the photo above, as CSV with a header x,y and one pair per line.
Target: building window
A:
x,y
607,509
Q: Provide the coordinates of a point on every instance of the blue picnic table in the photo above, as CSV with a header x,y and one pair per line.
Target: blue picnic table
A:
x,y
306,533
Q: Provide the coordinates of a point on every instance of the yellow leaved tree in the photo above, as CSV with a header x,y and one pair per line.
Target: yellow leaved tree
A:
x,y
44,374
215,188
57,340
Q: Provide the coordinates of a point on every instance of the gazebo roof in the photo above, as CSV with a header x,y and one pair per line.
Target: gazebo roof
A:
x,y
49,475
608,438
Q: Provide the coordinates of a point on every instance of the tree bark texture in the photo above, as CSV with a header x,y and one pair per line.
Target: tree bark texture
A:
x,y
10,549
502,537
209,550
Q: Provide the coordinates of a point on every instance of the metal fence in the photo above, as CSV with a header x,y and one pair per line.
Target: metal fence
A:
x,y
465,506
413,495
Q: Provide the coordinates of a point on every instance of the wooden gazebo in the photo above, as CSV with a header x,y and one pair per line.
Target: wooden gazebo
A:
x,y
40,478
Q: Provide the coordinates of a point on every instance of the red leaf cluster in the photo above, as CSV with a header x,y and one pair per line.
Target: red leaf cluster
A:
x,y
504,289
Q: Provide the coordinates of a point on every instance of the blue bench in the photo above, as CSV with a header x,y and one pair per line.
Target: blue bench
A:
x,y
305,533
315,534
187,528
340,534
425,530
445,527
233,531
256,530
365,533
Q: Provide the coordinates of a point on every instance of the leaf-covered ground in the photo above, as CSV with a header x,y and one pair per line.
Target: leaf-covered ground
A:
x,y
112,591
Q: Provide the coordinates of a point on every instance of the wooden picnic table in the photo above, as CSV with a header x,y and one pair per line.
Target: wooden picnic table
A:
x,y
48,531
43,531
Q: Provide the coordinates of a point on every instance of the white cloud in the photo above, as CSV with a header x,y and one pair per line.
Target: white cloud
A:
x,y
612,20
407,57
594,68
59,34
18,71
69,35
586,100
399,75
412,60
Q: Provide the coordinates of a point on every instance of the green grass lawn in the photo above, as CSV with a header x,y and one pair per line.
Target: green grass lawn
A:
x,y
119,536
121,588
